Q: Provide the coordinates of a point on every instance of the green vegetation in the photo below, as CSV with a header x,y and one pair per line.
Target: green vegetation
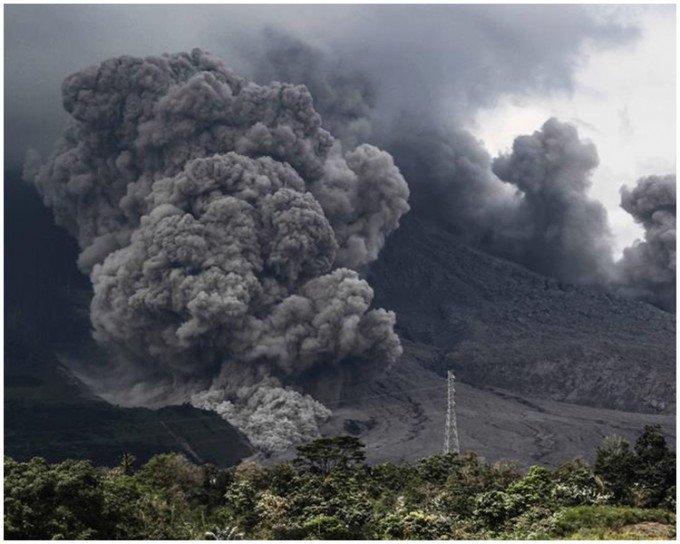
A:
x,y
328,492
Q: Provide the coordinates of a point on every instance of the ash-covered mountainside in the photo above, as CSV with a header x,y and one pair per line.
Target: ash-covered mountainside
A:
x,y
499,325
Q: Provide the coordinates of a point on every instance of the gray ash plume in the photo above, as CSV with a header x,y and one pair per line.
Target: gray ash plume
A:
x,y
219,223
530,206
564,234
344,94
647,269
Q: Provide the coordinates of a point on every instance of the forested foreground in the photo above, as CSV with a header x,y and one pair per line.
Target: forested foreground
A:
x,y
328,492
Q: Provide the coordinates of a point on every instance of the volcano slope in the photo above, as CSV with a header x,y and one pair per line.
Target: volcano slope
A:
x,y
545,369
48,411
497,324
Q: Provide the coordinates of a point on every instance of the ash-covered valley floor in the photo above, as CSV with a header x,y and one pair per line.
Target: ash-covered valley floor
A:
x,y
401,417
545,370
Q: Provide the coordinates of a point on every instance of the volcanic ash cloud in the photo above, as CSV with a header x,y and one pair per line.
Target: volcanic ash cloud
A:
x,y
647,269
220,224
566,234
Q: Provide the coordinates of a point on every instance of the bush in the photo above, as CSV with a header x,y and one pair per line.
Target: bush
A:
x,y
493,509
575,483
537,523
325,528
415,525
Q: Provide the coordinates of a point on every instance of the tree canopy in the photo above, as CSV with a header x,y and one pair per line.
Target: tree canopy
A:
x,y
328,454
329,492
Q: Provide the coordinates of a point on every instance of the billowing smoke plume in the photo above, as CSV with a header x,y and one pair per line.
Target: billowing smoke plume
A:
x,y
216,217
344,94
647,269
452,181
565,234
530,206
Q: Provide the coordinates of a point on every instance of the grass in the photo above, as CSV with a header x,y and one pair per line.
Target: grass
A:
x,y
611,523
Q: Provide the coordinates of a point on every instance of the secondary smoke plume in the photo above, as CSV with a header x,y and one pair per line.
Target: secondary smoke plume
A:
x,y
541,217
647,269
565,234
530,206
216,217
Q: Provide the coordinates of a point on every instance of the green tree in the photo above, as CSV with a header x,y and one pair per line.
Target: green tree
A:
x,y
533,489
172,495
252,473
325,528
170,472
44,501
615,465
437,468
282,478
654,467
127,463
126,507
241,501
327,454
576,483
470,477
214,486
272,511
493,509
416,525
390,477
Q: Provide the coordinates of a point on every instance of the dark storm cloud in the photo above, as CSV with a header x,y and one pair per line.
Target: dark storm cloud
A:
x,y
542,216
530,206
453,182
403,77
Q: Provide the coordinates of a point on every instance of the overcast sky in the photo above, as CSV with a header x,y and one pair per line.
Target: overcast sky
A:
x,y
624,100
496,71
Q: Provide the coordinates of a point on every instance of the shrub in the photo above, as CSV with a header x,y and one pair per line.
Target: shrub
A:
x,y
575,483
325,528
493,509
415,525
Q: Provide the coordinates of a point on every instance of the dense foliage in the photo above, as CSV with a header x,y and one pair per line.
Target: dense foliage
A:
x,y
328,492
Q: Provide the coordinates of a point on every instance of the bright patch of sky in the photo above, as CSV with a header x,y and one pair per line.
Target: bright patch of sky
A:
x,y
624,101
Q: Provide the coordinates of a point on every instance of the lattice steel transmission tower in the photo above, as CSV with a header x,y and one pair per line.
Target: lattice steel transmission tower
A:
x,y
451,444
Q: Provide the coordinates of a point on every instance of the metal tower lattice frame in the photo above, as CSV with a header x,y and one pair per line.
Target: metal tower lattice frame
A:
x,y
451,444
